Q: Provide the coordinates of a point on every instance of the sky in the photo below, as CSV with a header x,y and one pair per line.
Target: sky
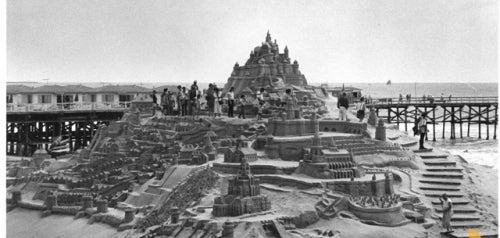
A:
x,y
125,41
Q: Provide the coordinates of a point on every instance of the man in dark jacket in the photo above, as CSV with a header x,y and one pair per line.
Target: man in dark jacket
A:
x,y
342,105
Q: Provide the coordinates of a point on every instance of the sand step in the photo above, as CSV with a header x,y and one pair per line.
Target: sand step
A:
x,y
440,162
466,224
461,217
441,187
443,175
456,201
457,209
441,181
433,156
439,194
465,234
427,150
443,169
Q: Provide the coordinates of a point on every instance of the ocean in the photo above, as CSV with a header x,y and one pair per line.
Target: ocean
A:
x,y
376,90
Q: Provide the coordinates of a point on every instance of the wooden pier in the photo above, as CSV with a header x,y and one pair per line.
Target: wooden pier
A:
x,y
28,131
457,112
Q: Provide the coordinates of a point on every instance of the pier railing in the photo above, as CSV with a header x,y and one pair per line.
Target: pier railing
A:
x,y
74,106
433,100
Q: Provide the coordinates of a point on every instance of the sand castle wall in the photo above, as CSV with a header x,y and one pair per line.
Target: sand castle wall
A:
x,y
392,216
300,127
232,168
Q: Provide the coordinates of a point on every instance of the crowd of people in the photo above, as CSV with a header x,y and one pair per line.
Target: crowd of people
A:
x,y
192,102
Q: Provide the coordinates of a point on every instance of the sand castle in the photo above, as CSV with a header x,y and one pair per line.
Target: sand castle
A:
x,y
225,177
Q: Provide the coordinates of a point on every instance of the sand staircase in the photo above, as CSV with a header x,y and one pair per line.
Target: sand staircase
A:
x,y
443,175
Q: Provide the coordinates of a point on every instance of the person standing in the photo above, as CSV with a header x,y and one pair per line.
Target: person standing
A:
x,y
218,103
259,111
361,108
342,105
171,103
155,101
260,96
210,100
230,102
179,100
447,211
422,128
192,99
184,101
241,104
164,101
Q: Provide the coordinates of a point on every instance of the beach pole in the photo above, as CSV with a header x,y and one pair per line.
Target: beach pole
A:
x,y
468,125
487,123
389,114
461,120
434,124
406,119
479,116
444,119
425,110
397,116
495,125
452,133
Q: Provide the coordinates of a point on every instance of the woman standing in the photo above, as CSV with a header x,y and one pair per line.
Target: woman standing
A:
x,y
447,212
230,102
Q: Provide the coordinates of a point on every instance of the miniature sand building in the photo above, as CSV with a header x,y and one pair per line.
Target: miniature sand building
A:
x,y
243,195
327,162
241,152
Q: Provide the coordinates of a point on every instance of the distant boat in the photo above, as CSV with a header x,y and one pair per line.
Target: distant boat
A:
x,y
389,82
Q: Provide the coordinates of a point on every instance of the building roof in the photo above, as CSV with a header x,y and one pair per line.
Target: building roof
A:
x,y
248,151
18,88
122,89
55,89
78,88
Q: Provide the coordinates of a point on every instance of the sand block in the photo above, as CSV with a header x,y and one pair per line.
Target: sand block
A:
x,y
457,209
443,175
440,187
440,162
456,201
439,194
444,168
465,234
441,181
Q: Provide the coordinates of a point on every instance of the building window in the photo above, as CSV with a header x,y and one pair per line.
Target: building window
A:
x,y
92,98
30,99
126,98
108,98
45,99
10,98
